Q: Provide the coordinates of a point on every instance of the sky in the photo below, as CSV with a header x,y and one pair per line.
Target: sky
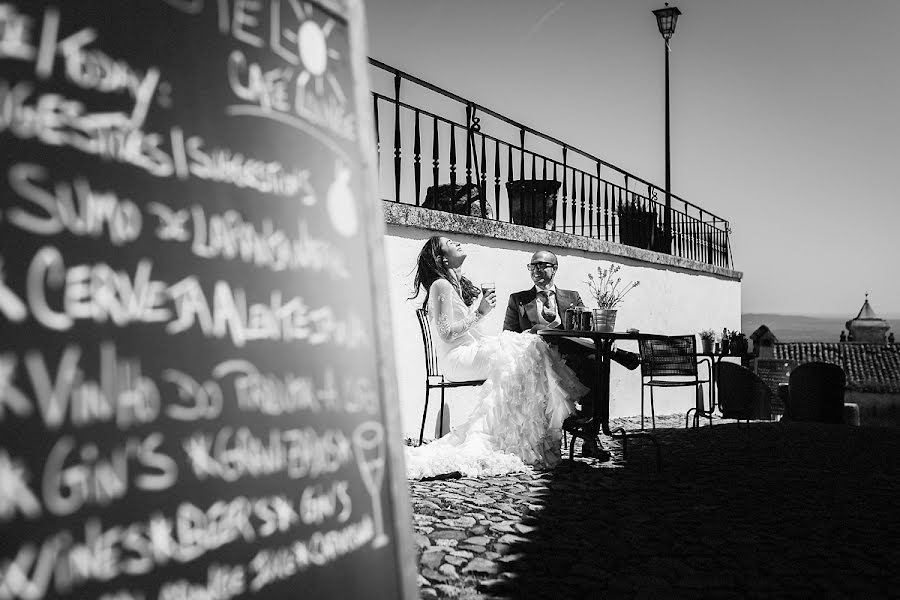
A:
x,y
785,117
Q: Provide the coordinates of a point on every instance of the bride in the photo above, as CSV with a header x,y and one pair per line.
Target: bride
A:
x,y
528,389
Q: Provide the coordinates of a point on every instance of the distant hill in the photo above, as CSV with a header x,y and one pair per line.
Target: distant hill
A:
x,y
797,328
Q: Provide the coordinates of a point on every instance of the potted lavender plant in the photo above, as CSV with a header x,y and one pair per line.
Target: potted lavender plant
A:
x,y
608,291
707,338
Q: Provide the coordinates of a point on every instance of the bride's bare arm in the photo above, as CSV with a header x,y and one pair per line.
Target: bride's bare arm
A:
x,y
440,304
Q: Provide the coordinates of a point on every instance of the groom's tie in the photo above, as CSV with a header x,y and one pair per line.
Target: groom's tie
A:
x,y
549,310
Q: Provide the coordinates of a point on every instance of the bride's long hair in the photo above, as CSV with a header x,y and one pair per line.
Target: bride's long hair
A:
x,y
430,267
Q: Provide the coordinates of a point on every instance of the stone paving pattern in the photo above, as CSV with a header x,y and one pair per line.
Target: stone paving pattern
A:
x,y
770,511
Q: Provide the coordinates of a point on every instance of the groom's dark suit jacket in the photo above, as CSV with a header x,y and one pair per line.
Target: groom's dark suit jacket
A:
x,y
522,311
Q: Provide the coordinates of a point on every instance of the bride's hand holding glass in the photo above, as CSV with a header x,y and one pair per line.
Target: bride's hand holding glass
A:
x,y
488,301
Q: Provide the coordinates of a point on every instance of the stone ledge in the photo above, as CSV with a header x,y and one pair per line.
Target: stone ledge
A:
x,y
406,215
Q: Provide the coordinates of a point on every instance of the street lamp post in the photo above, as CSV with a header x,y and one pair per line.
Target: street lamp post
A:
x,y
666,19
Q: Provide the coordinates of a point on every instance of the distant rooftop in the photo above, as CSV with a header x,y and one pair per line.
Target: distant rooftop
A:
x,y
866,311
869,367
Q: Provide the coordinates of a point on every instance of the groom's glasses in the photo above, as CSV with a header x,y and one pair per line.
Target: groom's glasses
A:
x,y
540,266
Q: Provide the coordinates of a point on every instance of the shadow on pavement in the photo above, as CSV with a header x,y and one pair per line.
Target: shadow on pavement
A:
x,y
772,510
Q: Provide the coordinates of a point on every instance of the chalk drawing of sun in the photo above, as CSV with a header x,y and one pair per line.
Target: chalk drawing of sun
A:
x,y
312,45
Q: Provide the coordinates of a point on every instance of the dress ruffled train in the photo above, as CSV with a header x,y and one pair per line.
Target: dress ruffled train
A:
x,y
518,419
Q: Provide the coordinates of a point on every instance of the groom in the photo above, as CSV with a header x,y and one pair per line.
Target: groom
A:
x,y
540,308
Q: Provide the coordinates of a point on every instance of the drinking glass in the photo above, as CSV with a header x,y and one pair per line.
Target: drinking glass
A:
x,y
368,446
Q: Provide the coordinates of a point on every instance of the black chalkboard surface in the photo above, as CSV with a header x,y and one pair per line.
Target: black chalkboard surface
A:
x,y
191,369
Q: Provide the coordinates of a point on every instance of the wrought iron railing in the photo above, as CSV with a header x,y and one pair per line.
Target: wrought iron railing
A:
x,y
462,157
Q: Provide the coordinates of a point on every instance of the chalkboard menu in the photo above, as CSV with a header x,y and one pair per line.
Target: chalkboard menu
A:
x,y
192,371
775,372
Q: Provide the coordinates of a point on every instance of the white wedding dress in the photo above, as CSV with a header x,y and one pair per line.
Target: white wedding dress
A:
x,y
518,417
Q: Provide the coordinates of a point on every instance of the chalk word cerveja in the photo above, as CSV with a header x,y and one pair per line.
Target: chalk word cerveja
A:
x,y
100,293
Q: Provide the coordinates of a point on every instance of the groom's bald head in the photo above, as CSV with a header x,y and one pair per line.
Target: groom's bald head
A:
x,y
544,256
543,267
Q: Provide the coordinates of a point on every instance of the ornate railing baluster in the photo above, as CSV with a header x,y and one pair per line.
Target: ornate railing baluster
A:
x,y
614,212
554,204
543,200
564,190
377,135
397,161
435,158
468,153
606,215
692,236
695,235
522,199
702,234
583,204
509,178
497,177
573,204
534,191
452,164
482,186
417,159
629,223
591,208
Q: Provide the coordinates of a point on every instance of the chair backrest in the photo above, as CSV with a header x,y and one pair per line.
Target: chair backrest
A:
x,y
670,357
431,363
817,393
742,394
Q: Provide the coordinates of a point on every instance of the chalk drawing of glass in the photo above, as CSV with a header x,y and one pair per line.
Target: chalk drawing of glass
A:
x,y
368,445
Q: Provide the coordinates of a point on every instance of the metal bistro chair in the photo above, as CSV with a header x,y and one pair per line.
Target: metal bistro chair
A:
x,y
674,356
816,393
432,373
743,395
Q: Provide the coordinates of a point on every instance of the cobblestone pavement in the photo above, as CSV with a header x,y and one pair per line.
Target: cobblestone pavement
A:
x,y
773,511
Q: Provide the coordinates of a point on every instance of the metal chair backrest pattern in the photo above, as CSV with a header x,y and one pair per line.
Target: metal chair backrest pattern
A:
x,y
816,393
672,357
431,364
433,372
742,393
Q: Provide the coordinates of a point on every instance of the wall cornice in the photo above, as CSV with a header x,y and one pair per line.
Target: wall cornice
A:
x,y
406,215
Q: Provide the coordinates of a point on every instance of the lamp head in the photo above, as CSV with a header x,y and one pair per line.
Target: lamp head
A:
x,y
666,19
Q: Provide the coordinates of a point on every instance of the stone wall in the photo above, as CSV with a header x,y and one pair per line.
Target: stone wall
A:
x,y
676,296
873,404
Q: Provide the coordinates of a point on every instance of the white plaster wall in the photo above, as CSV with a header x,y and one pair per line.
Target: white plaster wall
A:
x,y
669,300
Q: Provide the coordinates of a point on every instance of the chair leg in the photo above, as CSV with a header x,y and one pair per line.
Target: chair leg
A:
x,y
642,405
652,411
441,423
424,415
